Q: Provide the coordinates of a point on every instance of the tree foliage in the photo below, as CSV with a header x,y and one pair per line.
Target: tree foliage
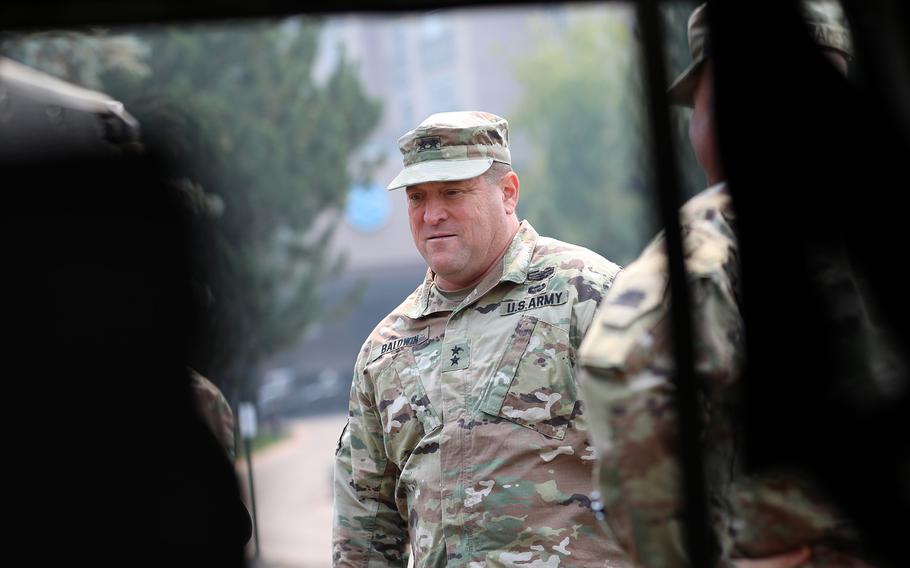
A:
x,y
589,179
80,57
277,147
265,153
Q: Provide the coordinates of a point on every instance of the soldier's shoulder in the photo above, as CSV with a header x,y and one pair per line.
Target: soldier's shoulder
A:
x,y
396,326
708,234
638,300
206,389
563,256
629,311
713,200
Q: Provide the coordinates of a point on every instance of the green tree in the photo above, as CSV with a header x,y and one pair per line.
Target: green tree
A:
x,y
79,57
589,177
265,155
241,105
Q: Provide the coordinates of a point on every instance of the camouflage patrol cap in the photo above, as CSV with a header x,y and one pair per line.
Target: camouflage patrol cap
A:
x,y
452,146
824,20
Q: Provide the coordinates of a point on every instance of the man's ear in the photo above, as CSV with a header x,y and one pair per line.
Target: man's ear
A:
x,y
509,185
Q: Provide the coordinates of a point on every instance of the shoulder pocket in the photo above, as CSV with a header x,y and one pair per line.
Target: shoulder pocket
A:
x,y
636,294
533,384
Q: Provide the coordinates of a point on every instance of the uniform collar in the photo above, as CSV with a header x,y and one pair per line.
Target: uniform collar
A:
x,y
716,196
515,265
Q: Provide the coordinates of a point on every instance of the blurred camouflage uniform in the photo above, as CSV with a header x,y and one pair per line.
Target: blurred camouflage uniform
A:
x,y
627,382
466,440
215,411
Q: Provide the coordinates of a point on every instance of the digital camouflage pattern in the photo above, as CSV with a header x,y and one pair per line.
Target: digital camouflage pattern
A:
x,y
215,411
626,377
452,146
466,441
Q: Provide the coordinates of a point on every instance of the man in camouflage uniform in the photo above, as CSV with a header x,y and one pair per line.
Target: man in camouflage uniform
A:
x,y
466,444
627,374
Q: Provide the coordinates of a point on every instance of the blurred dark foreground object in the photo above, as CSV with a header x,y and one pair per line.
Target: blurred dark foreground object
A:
x,y
110,463
818,166
41,115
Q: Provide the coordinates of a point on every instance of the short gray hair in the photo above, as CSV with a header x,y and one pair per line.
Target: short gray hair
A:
x,y
496,172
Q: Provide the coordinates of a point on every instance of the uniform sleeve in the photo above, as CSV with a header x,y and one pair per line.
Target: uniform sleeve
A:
x,y
215,411
628,386
368,529
591,291
631,421
627,383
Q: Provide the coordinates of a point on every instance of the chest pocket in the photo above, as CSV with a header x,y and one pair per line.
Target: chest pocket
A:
x,y
404,407
533,384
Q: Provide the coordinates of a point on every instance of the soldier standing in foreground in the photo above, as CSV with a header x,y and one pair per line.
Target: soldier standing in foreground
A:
x,y
628,368
466,441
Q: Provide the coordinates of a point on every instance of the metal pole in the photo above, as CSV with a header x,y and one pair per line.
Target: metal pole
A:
x,y
249,470
700,544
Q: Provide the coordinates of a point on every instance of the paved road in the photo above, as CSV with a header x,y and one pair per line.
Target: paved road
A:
x,y
294,494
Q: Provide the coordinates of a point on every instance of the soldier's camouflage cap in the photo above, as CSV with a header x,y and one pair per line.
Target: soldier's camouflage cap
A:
x,y
824,20
452,146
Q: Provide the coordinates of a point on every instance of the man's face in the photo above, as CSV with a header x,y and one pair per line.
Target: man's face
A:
x,y
701,125
460,227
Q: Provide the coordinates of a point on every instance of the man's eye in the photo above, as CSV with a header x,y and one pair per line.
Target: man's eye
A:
x,y
414,197
453,193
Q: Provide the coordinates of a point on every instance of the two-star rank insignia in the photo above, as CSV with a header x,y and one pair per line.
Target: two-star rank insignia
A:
x,y
455,356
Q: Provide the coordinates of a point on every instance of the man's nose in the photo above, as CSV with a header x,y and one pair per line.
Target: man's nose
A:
x,y
435,212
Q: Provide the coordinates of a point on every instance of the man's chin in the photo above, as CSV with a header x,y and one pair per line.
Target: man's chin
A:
x,y
444,269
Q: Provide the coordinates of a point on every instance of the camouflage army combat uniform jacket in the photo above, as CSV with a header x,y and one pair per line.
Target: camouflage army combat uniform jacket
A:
x,y
626,374
466,441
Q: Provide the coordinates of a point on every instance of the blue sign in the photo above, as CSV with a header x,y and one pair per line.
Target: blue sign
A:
x,y
368,207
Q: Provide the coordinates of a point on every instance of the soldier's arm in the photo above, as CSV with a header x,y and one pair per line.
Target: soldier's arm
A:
x,y
627,382
598,280
367,529
215,411
631,420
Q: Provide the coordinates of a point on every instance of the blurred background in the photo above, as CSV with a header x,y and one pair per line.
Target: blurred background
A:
x,y
285,132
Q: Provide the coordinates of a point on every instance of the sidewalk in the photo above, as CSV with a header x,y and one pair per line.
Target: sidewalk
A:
x,y
293,480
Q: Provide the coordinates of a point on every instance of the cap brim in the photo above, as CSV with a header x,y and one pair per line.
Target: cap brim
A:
x,y
440,170
682,91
